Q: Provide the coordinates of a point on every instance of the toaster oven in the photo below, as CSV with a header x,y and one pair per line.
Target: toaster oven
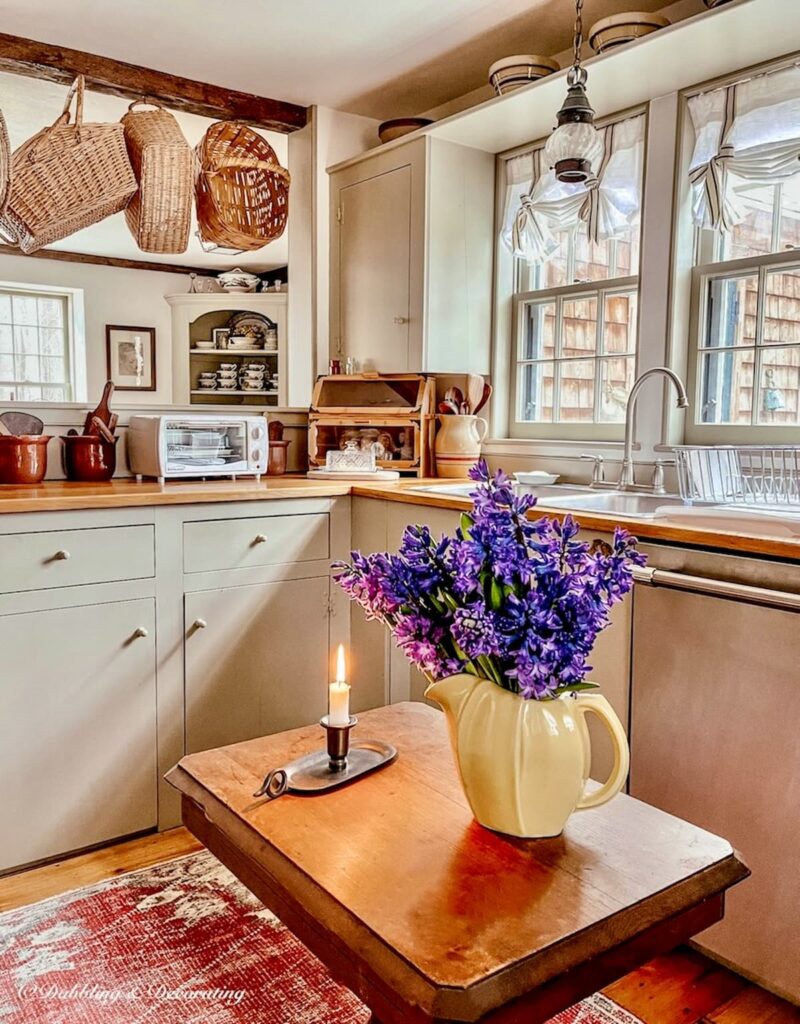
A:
x,y
192,445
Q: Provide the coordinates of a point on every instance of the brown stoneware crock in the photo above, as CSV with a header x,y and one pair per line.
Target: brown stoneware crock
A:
x,y
89,458
23,458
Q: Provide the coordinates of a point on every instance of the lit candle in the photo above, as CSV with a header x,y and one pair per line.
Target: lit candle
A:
x,y
339,694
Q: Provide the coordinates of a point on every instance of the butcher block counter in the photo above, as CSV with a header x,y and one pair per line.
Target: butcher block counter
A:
x,y
62,496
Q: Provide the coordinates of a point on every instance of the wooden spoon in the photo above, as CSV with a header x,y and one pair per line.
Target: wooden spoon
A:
x,y
448,409
475,385
102,430
487,394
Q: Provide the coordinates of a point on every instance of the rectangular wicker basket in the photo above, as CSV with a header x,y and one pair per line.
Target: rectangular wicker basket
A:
x,y
67,177
160,213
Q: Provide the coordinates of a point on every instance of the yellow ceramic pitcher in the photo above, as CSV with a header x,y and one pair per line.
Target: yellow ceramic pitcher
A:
x,y
524,763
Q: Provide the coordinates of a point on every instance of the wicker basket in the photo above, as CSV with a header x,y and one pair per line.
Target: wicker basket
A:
x,y
5,164
160,214
67,177
242,191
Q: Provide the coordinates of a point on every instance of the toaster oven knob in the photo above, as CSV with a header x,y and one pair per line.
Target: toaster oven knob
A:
x,y
256,454
256,432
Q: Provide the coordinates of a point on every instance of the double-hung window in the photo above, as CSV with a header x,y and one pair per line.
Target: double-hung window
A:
x,y
575,322
745,176
40,355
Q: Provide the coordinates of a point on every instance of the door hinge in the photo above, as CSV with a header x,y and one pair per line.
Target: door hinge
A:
x,y
339,215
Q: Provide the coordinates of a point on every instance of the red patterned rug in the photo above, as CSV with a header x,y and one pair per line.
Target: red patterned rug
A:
x,y
179,943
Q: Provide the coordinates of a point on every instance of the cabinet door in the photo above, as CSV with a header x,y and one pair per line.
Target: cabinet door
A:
x,y
77,728
374,271
256,660
715,740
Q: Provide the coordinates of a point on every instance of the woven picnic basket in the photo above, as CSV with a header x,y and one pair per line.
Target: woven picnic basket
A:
x,y
241,190
160,214
68,176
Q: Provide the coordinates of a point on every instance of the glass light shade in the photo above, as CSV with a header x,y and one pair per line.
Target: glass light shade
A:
x,y
574,151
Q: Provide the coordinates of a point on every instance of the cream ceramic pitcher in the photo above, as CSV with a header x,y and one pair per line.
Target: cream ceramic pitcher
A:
x,y
458,444
524,763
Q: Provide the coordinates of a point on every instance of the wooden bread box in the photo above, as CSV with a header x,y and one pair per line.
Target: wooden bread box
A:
x,y
399,406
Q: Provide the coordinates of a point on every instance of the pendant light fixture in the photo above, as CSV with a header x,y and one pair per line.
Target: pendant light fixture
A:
x,y
575,148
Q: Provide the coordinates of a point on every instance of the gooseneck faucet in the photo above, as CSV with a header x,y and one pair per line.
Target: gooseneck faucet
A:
x,y
627,480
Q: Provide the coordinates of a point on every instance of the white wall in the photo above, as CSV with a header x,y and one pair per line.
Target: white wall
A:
x,y
111,295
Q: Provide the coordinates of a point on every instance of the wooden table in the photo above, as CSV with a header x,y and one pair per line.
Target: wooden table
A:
x,y
428,917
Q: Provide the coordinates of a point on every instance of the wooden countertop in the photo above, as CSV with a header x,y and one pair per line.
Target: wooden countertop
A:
x,y
61,495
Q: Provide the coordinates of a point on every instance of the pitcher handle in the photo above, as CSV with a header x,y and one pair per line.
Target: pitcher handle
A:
x,y
599,706
481,420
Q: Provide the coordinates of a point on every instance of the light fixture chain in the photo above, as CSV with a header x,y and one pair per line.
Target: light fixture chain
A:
x,y
578,44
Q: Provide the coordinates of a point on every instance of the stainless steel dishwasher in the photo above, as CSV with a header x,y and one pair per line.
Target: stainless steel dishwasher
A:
x,y
715,733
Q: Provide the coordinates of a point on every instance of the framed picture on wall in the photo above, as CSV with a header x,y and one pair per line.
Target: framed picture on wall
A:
x,y
131,357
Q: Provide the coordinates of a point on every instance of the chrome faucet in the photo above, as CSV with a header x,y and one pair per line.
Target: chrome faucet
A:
x,y
627,481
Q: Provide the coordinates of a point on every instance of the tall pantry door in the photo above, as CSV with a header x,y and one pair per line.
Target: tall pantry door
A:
x,y
374,234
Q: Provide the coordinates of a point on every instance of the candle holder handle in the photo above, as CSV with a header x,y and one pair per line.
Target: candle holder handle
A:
x,y
338,742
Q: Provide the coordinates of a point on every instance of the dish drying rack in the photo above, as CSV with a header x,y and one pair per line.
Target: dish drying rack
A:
x,y
739,474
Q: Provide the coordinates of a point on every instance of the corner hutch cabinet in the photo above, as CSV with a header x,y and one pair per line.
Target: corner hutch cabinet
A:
x,y
194,318
412,230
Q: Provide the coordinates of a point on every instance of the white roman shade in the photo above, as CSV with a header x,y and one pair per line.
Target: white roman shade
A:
x,y
745,134
538,205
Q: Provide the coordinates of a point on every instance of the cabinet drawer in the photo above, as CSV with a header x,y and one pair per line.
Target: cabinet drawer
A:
x,y
71,558
244,543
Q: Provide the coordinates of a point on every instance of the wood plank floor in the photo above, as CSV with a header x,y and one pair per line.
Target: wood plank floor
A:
x,y
683,987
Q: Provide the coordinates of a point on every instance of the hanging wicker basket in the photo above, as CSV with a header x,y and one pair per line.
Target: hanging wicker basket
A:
x,y
241,190
160,214
5,164
67,177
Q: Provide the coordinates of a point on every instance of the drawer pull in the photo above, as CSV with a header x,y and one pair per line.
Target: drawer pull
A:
x,y
199,623
260,538
139,632
61,556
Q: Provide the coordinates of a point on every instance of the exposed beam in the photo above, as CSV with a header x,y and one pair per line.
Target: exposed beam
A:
x,y
116,78
107,261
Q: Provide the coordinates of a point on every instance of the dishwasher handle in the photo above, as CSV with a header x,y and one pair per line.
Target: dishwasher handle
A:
x,y
716,588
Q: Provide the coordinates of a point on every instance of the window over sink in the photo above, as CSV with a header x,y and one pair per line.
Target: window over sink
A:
x,y
576,290
745,178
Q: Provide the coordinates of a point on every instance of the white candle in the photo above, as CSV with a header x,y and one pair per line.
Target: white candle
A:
x,y
339,694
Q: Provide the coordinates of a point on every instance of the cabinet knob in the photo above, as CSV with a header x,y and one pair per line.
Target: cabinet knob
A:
x,y
400,320
199,623
260,538
61,556
140,631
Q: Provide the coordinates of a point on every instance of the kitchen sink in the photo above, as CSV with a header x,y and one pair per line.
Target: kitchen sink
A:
x,y
618,503
463,490
576,498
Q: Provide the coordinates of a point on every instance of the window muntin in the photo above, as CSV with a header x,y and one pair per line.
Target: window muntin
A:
x,y
749,347
576,354
35,360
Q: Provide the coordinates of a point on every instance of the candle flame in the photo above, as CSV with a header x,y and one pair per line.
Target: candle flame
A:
x,y
340,666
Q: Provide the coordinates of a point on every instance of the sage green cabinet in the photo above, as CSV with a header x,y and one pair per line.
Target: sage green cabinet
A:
x,y
256,660
77,728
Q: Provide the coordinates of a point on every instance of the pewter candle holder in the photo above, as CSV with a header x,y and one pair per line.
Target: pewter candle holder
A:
x,y
323,770
338,742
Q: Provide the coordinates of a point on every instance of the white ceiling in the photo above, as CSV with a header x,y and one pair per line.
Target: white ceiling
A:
x,y
31,103
373,57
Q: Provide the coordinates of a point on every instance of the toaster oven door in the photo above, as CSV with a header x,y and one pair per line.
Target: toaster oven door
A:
x,y
203,449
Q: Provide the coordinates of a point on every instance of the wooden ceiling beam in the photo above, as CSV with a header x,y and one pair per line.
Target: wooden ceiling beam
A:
x,y
117,78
